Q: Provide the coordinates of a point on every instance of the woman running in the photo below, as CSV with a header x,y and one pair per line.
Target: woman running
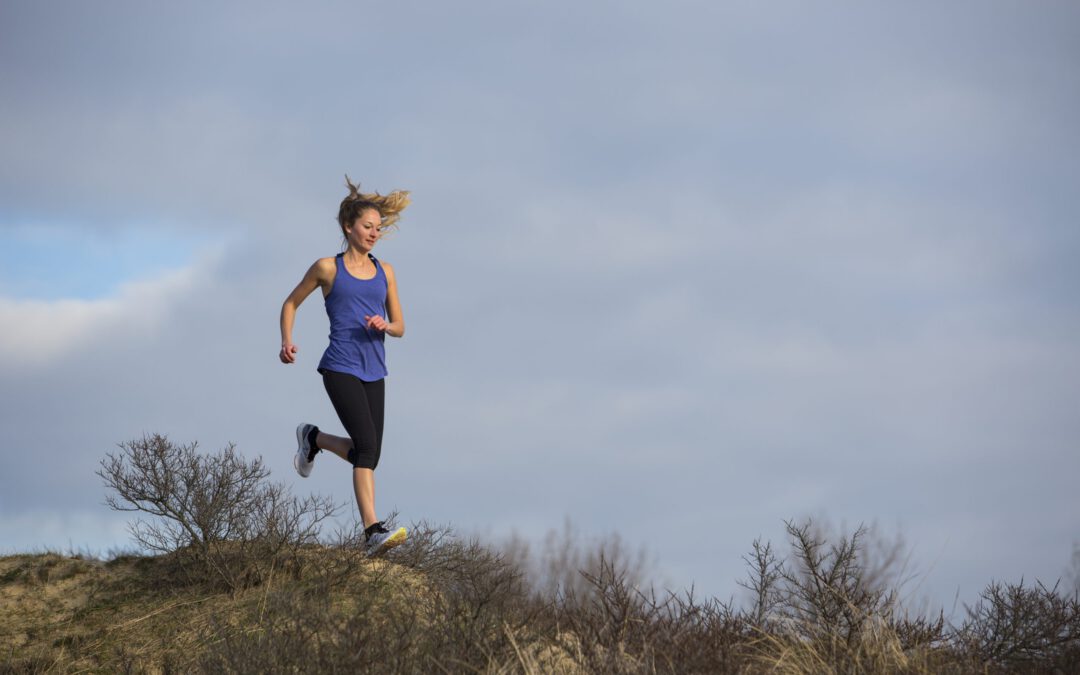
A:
x,y
361,299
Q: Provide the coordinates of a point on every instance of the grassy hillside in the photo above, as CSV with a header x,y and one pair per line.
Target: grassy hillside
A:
x,y
244,581
65,614
326,609
441,604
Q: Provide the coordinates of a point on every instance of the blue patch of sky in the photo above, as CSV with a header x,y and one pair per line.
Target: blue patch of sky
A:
x,y
68,261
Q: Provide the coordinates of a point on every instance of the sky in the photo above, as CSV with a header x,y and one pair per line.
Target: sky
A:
x,y
677,271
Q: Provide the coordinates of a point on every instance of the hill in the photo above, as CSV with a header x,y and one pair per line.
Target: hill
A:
x,y
327,609
245,581
441,604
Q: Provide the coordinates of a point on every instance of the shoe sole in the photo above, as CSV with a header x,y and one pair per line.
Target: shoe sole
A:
x,y
299,451
396,539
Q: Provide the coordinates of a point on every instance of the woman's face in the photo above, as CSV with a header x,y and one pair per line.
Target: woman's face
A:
x,y
365,230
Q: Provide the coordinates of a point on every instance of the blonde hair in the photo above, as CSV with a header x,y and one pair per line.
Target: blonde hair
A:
x,y
353,206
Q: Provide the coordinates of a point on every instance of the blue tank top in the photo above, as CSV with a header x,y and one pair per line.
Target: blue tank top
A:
x,y
353,348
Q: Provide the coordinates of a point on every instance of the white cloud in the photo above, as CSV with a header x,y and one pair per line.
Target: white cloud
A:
x,y
37,332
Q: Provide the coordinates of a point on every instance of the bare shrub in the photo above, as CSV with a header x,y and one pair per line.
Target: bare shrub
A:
x,y
834,604
606,627
618,627
216,514
763,582
479,599
603,613
564,560
1023,628
825,589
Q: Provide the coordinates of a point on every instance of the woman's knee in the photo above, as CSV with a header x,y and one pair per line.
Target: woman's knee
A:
x,y
364,458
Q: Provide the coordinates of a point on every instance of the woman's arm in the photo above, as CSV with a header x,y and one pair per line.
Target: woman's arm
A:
x,y
318,275
394,324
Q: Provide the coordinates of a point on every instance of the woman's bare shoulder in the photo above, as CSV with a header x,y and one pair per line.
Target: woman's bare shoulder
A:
x,y
325,265
322,271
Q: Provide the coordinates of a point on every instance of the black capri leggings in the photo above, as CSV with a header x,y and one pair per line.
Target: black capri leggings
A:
x,y
359,406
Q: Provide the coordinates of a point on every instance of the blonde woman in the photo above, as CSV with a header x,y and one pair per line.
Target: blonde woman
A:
x,y
360,293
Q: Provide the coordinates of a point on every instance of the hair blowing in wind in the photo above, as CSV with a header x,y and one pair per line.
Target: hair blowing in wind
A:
x,y
389,206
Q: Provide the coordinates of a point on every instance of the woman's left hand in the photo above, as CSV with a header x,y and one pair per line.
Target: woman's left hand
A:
x,y
376,322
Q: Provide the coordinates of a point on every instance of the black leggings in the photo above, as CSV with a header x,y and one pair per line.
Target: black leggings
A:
x,y
359,406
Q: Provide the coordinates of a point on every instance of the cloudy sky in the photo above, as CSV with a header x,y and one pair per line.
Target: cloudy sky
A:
x,y
677,270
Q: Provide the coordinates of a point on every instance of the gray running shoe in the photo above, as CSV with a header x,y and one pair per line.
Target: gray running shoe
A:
x,y
304,458
382,540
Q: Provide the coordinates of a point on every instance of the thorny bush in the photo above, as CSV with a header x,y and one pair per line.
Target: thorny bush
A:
x,y
217,515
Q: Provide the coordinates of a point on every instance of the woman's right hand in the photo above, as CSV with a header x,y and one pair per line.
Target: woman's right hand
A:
x,y
321,273
288,353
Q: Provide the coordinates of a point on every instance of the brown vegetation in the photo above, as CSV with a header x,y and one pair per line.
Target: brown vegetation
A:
x,y
443,603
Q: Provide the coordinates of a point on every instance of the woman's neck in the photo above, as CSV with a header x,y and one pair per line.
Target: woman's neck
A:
x,y
354,253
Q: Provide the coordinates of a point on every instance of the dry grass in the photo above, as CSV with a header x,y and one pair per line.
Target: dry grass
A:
x,y
236,592
446,604
60,614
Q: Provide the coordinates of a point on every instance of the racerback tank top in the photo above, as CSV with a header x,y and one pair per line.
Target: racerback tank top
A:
x,y
353,348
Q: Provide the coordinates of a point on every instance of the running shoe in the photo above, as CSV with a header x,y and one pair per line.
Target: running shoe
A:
x,y
304,458
382,540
